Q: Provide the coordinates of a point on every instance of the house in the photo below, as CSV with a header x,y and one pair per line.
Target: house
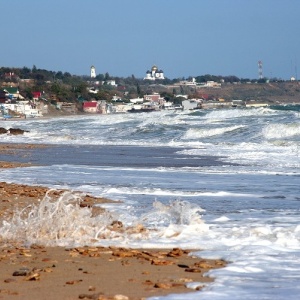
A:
x,y
154,98
91,107
36,95
10,76
111,82
67,107
22,108
96,107
137,100
186,82
212,84
191,104
13,93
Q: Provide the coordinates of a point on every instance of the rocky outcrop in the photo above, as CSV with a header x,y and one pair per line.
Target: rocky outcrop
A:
x,y
16,131
3,130
13,131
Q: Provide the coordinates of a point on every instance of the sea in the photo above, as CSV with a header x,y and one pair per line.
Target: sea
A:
x,y
224,183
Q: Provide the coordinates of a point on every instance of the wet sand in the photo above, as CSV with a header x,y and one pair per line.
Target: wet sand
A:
x,y
39,272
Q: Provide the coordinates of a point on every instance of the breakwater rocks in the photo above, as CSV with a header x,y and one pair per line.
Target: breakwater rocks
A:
x,y
13,131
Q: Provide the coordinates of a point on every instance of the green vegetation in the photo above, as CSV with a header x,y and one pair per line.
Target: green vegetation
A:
x,y
65,87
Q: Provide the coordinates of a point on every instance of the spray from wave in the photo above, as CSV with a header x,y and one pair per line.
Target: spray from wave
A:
x,y
63,222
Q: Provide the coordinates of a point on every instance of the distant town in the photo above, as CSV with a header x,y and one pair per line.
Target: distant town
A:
x,y
32,92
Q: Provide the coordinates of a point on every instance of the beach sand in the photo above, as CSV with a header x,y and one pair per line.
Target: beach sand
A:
x,y
39,272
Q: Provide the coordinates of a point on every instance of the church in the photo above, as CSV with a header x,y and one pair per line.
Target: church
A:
x,y
93,72
154,74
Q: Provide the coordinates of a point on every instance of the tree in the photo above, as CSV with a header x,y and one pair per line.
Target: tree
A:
x,y
25,72
100,77
138,89
103,95
106,76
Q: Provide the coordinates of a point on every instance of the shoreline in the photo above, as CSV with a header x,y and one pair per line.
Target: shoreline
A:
x,y
39,272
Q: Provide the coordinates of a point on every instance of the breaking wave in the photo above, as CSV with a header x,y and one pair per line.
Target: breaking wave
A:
x,y
177,212
237,113
277,131
203,133
63,222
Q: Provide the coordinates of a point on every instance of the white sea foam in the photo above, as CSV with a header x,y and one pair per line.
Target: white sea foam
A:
x,y
55,223
281,131
237,113
252,209
63,222
202,132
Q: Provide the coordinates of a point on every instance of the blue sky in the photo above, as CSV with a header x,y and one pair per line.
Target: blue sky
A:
x,y
124,37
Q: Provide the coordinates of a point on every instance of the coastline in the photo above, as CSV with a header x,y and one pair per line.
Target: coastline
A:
x,y
39,272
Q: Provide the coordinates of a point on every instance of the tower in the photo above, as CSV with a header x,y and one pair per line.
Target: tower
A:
x,y
260,69
93,72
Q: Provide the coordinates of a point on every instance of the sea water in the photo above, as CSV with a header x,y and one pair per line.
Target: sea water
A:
x,y
224,181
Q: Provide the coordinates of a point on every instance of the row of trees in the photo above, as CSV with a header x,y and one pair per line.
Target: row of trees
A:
x,y
42,75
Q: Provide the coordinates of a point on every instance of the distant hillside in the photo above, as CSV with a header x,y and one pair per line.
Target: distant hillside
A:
x,y
287,92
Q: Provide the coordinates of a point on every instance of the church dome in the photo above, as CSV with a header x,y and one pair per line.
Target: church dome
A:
x,y
154,68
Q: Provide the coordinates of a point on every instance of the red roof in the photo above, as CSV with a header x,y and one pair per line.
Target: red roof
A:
x,y
90,104
36,94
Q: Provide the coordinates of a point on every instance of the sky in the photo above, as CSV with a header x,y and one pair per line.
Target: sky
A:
x,y
127,37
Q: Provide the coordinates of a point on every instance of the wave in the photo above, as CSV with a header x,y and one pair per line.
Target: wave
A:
x,y
237,113
62,222
196,133
292,107
279,131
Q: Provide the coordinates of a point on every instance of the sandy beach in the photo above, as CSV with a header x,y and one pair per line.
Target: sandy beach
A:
x,y
39,272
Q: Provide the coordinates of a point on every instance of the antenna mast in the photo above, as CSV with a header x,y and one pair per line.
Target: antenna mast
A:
x,y
260,69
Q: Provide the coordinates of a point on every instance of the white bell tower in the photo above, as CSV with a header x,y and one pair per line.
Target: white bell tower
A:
x,y
93,72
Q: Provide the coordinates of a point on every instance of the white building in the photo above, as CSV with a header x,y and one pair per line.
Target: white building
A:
x,y
187,83
93,72
191,104
22,108
212,84
137,100
154,74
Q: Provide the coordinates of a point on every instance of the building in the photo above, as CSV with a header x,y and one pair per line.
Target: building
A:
x,y
36,95
12,93
156,98
154,74
93,72
212,84
191,104
22,108
96,107
187,82
91,107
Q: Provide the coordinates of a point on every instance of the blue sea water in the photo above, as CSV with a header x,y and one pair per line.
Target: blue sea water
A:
x,y
224,181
